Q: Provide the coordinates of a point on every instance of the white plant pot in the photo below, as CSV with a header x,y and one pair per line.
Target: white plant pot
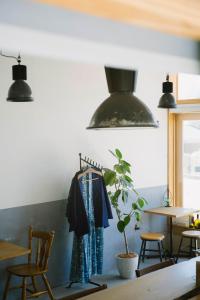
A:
x,y
127,266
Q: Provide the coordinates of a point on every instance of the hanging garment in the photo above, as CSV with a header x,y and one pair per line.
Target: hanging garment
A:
x,y
87,253
76,210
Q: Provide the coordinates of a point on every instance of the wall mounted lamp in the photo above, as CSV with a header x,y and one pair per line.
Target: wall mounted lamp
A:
x,y
121,109
167,100
19,91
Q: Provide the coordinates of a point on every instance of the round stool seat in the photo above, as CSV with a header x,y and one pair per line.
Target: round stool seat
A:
x,y
191,233
152,236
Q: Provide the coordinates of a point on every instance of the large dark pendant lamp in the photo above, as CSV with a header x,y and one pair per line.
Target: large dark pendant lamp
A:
x,y
167,100
19,91
122,109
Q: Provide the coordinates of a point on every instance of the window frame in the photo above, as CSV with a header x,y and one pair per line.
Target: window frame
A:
x,y
175,175
191,81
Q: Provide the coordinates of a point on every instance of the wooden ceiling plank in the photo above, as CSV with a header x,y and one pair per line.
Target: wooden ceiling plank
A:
x,y
179,17
184,9
166,9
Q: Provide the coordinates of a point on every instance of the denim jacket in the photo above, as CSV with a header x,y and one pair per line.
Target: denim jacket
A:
x,y
76,212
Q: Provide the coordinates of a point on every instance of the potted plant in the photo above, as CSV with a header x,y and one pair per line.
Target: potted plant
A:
x,y
128,205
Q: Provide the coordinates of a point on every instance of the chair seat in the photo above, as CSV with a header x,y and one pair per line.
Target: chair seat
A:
x,y
152,236
26,270
191,233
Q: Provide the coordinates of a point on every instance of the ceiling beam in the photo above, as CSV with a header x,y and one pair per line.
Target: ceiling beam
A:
x,y
177,17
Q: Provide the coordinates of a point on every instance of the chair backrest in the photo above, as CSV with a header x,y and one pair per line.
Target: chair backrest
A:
x,y
44,242
156,267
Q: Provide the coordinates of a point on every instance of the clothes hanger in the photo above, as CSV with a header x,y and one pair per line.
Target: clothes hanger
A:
x,y
92,167
90,170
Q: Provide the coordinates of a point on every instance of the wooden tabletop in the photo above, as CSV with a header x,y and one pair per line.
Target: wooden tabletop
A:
x,y
164,284
9,250
172,211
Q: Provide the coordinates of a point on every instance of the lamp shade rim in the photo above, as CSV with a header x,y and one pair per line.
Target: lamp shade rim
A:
x,y
21,99
167,106
156,125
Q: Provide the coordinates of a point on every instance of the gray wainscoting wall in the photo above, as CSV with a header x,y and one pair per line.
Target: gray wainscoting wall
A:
x,y
14,223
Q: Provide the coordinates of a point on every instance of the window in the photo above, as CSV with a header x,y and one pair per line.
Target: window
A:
x,y
184,158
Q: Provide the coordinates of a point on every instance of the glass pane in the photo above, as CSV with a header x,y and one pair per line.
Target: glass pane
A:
x,y
191,163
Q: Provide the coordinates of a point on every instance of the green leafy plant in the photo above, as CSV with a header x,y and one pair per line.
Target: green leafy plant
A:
x,y
122,194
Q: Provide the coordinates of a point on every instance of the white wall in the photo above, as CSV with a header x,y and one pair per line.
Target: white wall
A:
x,y
64,47
40,141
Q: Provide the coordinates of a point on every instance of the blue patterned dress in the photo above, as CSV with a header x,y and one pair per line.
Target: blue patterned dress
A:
x,y
87,253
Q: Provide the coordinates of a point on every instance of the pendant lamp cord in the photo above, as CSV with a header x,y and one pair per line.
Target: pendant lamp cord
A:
x,y
18,58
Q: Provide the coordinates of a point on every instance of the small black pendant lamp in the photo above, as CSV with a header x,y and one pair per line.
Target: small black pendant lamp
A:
x,y
122,109
167,100
19,91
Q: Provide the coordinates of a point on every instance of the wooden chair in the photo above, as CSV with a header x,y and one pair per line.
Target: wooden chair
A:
x,y
156,267
31,270
151,237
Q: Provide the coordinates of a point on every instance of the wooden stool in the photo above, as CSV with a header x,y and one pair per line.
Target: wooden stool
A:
x,y
193,235
151,237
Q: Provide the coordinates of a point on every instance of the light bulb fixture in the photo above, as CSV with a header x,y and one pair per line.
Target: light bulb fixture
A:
x,y
122,109
167,100
19,91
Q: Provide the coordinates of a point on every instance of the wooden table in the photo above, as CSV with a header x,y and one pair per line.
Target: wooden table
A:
x,y
164,284
170,212
10,250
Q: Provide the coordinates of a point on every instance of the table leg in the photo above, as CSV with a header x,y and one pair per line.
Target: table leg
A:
x,y
170,238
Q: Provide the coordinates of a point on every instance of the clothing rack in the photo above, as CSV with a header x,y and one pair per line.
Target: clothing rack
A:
x,y
93,164
89,162
90,281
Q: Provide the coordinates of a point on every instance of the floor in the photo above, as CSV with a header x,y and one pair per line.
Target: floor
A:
x,y
110,279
